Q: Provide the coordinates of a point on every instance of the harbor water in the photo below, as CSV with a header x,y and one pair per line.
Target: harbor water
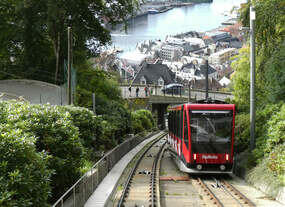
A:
x,y
198,17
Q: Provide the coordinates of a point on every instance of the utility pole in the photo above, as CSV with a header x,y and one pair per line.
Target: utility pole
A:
x,y
206,78
189,93
69,65
252,79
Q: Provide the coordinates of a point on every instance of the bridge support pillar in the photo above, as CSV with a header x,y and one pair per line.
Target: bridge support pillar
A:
x,y
161,111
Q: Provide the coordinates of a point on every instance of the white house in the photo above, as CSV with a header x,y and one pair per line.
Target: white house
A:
x,y
225,81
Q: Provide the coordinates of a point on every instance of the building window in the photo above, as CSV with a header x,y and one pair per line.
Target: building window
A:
x,y
160,81
143,81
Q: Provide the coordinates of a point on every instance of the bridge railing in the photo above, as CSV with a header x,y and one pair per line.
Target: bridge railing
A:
x,y
79,193
155,90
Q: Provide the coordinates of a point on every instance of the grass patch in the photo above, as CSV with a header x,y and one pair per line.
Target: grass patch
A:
x,y
120,188
87,165
262,177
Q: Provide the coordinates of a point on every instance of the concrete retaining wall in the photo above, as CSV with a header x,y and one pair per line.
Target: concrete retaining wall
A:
x,y
36,92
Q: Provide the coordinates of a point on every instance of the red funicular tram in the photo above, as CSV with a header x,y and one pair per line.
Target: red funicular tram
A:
x,y
201,137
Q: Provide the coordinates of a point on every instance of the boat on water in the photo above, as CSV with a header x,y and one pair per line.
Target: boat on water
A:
x,y
160,10
153,11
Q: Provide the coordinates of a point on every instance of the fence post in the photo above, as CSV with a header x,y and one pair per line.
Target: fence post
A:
x,y
74,199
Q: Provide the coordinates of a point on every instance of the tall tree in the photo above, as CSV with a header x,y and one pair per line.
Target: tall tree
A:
x,y
269,24
270,35
35,31
87,19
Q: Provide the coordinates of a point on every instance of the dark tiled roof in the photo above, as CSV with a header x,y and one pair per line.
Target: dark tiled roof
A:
x,y
187,66
203,69
152,72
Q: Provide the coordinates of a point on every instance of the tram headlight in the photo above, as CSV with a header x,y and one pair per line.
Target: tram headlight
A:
x,y
222,167
199,167
227,157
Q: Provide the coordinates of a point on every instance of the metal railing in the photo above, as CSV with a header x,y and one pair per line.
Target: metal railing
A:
x,y
155,90
80,192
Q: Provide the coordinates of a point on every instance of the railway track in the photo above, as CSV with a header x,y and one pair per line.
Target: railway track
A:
x,y
142,185
218,192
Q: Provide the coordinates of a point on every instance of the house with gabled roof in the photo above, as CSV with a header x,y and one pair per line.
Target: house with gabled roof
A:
x,y
157,74
198,71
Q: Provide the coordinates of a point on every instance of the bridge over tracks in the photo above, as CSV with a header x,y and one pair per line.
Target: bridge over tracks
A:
x,y
154,98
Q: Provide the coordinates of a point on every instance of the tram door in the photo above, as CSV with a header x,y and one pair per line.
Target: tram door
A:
x,y
185,137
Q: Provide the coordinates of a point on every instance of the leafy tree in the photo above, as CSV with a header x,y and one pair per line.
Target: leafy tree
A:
x,y
97,81
275,75
26,52
241,79
269,24
35,33
270,34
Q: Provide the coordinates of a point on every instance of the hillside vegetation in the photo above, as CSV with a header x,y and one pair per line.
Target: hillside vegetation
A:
x,y
45,149
269,154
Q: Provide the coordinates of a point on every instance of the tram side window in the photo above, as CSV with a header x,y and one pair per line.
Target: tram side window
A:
x,y
186,131
176,124
193,127
181,123
171,122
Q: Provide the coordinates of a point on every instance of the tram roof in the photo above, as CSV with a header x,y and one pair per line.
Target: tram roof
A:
x,y
205,106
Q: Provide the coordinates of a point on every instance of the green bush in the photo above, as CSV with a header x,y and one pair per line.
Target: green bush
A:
x,y
262,175
270,139
276,130
56,134
108,139
136,123
263,115
53,140
24,177
88,124
242,132
148,115
276,162
142,120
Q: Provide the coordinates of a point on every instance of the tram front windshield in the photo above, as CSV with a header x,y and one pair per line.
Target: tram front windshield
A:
x,y
211,126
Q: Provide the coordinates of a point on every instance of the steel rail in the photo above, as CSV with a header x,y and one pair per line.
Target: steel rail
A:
x,y
228,191
153,175
126,187
237,192
217,201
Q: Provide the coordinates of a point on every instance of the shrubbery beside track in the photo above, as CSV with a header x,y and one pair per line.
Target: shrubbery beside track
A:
x,y
43,148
